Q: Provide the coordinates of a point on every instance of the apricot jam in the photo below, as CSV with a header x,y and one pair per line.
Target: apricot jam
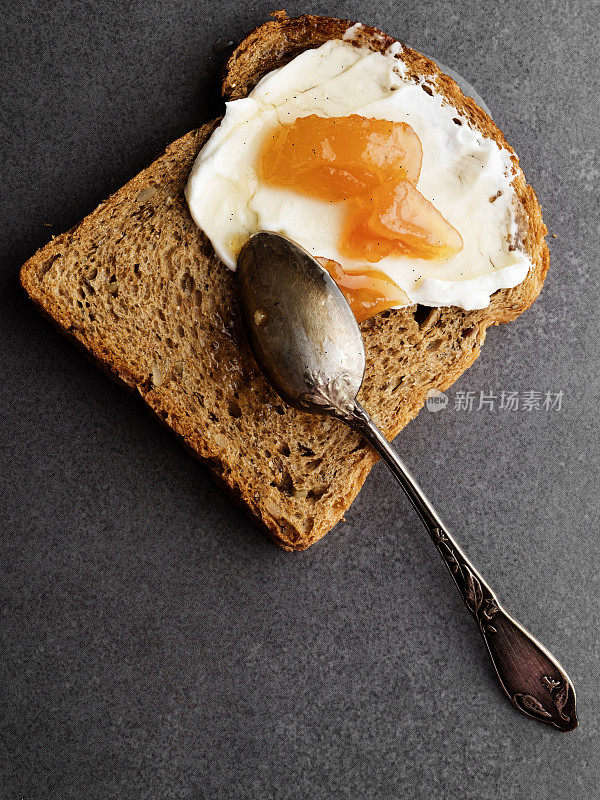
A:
x,y
340,158
372,166
368,292
397,220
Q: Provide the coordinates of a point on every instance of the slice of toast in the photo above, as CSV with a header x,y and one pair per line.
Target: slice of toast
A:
x,y
139,287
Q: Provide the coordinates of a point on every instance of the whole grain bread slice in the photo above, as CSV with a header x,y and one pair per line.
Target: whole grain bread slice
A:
x,y
139,287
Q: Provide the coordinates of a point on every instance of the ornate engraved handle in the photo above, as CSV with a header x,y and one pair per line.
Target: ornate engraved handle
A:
x,y
532,679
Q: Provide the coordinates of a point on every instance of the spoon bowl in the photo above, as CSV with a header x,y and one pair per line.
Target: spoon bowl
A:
x,y
300,328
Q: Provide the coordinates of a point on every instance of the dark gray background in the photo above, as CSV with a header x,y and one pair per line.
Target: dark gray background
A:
x,y
155,645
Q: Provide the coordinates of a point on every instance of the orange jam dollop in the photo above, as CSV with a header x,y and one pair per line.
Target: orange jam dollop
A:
x,y
340,158
372,166
397,220
368,292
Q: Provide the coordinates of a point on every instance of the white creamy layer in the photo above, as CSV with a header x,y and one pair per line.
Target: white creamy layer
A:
x,y
461,172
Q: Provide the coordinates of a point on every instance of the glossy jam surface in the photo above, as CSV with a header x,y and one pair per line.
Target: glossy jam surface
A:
x,y
397,220
372,166
368,292
340,158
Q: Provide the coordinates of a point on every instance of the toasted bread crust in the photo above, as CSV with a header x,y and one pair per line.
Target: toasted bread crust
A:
x,y
407,354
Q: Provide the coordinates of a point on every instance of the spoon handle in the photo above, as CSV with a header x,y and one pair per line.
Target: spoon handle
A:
x,y
530,676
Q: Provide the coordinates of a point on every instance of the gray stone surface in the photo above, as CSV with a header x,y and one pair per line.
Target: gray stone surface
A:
x,y
153,644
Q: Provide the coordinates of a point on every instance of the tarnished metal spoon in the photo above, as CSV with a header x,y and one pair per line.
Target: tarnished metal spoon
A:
x,y
307,342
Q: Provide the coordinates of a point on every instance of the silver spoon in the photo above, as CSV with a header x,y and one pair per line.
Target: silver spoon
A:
x,y
307,342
